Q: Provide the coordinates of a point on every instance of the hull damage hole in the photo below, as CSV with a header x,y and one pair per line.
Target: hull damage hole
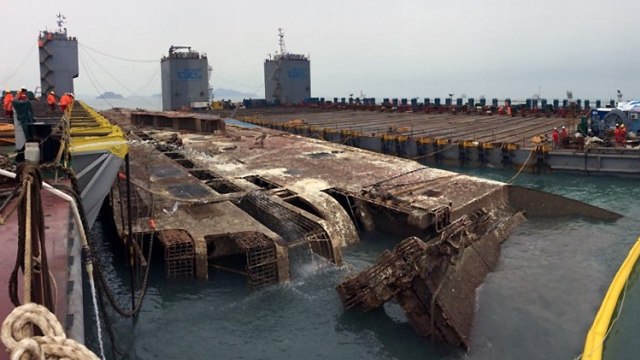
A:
x,y
348,203
174,155
186,163
261,182
222,186
303,204
203,174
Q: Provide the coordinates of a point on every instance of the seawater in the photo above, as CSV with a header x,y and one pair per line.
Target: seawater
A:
x,y
152,103
537,304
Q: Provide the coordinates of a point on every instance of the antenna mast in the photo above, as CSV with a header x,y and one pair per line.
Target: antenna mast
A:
x,y
61,21
283,49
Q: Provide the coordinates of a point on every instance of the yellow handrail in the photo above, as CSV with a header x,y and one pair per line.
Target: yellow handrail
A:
x,y
600,327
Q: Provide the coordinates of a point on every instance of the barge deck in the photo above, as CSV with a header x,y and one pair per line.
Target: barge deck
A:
x,y
474,139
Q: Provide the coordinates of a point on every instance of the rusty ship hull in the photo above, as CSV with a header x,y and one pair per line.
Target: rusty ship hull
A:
x,y
265,198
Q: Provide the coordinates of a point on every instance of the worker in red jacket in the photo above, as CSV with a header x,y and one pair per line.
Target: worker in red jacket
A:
x,y
623,134
51,100
616,134
7,103
22,94
556,137
564,139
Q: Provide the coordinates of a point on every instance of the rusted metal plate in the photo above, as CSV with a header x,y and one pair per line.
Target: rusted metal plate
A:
x,y
434,281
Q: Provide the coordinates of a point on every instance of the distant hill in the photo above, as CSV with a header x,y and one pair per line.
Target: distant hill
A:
x,y
232,94
109,95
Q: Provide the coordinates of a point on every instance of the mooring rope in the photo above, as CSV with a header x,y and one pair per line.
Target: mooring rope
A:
x,y
53,344
510,181
31,257
91,251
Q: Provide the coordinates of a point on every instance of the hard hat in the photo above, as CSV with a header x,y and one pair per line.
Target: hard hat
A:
x,y
555,128
71,94
23,88
52,92
563,126
621,125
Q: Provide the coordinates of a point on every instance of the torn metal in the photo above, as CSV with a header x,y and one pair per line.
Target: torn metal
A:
x,y
434,281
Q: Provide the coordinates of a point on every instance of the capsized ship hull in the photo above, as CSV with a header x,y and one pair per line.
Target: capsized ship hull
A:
x,y
97,151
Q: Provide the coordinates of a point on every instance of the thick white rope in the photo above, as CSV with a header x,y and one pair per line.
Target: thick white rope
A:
x,y
52,345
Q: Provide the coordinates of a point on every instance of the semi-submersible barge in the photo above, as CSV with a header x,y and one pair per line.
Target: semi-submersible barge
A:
x,y
442,136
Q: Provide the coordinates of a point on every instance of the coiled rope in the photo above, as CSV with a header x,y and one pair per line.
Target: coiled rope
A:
x,y
53,344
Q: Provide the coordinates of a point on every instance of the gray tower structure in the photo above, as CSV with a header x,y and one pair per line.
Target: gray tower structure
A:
x,y
58,59
287,77
185,78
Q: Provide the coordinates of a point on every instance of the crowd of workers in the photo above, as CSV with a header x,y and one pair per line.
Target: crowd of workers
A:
x,y
52,101
617,137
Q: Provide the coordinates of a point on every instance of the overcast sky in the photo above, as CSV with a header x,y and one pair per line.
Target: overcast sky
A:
x,y
401,48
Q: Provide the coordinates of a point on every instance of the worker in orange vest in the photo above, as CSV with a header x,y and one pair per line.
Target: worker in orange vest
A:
x,y
623,134
51,100
65,100
7,103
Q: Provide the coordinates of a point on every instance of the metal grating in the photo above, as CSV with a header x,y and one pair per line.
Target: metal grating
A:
x,y
294,228
262,267
179,253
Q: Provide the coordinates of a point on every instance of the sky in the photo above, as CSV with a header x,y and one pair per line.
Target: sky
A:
x,y
379,48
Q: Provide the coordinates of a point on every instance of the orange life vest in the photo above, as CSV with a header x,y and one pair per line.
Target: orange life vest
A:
x,y
65,100
8,99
